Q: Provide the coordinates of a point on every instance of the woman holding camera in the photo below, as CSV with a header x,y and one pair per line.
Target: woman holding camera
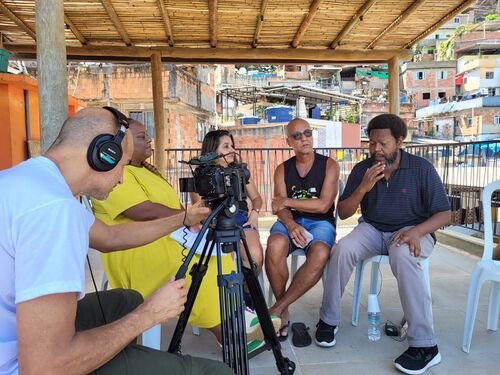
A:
x,y
221,142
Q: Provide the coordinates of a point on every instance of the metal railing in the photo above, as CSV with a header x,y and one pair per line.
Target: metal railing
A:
x,y
465,168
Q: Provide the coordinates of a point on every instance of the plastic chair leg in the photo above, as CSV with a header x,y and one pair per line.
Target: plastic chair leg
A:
x,y
374,278
472,302
152,337
293,265
104,282
494,306
356,295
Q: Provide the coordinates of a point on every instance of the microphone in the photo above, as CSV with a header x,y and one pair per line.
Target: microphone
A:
x,y
202,159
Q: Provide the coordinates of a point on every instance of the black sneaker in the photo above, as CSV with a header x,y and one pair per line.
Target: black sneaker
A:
x,y
416,360
325,334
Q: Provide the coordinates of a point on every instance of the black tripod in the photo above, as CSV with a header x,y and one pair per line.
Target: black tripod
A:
x,y
226,235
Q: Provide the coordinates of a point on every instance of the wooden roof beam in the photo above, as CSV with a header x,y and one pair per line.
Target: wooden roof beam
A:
x,y
459,9
213,22
403,16
356,18
10,15
166,22
222,55
116,21
313,9
75,30
260,21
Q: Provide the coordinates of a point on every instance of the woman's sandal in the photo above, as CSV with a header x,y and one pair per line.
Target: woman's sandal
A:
x,y
281,336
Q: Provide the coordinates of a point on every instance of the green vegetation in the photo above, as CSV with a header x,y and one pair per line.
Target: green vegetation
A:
x,y
446,49
492,17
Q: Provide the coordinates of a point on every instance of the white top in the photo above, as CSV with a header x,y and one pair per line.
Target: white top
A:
x,y
44,239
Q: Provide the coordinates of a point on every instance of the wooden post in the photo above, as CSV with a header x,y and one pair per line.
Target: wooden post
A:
x,y
393,68
51,66
159,114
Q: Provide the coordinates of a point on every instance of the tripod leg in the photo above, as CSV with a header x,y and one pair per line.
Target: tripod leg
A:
x,y
232,318
197,273
284,365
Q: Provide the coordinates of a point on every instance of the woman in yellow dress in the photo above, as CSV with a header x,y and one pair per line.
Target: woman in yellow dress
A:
x,y
145,195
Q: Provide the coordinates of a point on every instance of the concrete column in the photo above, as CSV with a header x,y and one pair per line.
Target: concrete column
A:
x,y
51,66
159,114
393,68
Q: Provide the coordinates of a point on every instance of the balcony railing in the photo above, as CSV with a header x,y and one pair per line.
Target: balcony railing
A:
x,y
465,168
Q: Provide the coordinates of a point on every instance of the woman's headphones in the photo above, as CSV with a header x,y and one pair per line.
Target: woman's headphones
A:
x,y
105,150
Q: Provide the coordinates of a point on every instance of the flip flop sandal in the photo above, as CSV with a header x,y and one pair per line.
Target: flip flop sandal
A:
x,y
282,337
301,335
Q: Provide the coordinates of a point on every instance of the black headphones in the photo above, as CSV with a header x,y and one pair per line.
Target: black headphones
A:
x,y
105,150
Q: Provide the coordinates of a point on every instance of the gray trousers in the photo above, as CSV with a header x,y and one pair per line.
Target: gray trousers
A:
x,y
364,242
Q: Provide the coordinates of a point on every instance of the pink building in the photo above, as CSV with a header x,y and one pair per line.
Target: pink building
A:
x,y
428,81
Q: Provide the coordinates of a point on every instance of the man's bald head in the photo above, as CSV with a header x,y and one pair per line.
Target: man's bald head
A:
x,y
290,128
81,128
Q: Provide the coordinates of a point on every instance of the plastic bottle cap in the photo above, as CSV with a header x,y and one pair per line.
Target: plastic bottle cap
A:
x,y
373,303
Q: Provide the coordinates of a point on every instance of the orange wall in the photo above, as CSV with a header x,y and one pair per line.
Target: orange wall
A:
x,y
13,142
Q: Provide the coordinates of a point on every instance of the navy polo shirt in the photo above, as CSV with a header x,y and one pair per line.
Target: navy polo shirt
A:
x,y
413,193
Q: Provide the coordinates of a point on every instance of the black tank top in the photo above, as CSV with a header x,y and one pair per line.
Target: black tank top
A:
x,y
308,187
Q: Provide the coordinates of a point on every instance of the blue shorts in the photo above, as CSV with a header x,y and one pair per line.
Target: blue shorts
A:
x,y
321,230
242,218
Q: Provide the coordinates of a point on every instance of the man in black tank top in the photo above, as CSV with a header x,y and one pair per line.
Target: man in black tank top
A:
x,y
305,187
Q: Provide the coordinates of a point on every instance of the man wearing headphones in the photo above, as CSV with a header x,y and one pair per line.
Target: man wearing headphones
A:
x,y
46,327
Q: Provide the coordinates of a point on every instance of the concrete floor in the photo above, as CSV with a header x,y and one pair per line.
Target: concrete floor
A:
x,y
450,271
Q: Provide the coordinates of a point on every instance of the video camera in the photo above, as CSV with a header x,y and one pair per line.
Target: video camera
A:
x,y
214,182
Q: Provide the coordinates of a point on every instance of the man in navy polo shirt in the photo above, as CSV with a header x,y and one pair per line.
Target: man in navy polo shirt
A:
x,y
403,201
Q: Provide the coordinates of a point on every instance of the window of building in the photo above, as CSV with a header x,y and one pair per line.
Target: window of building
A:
x,y
491,91
497,119
443,74
437,36
430,52
147,118
426,95
469,122
441,94
419,76
456,20
490,75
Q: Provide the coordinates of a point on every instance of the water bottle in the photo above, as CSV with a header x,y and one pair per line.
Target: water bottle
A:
x,y
373,318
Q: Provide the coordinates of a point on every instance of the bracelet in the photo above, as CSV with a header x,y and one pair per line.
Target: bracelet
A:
x,y
256,210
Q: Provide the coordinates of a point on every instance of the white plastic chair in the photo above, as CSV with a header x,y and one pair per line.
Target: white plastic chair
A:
x,y
376,261
486,269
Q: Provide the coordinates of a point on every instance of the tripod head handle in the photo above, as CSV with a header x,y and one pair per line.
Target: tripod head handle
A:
x,y
181,273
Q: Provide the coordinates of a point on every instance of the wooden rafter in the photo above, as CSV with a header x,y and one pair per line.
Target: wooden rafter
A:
x,y
356,18
116,21
17,20
260,21
403,16
75,30
313,9
166,22
213,19
223,55
459,9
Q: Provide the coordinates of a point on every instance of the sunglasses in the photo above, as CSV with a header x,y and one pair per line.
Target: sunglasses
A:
x,y
298,135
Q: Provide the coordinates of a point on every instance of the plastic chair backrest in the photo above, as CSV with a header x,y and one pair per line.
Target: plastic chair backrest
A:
x,y
488,225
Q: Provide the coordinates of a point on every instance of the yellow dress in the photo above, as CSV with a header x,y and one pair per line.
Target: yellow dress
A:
x,y
147,267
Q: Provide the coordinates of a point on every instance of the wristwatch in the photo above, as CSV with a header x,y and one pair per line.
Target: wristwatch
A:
x,y
256,210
